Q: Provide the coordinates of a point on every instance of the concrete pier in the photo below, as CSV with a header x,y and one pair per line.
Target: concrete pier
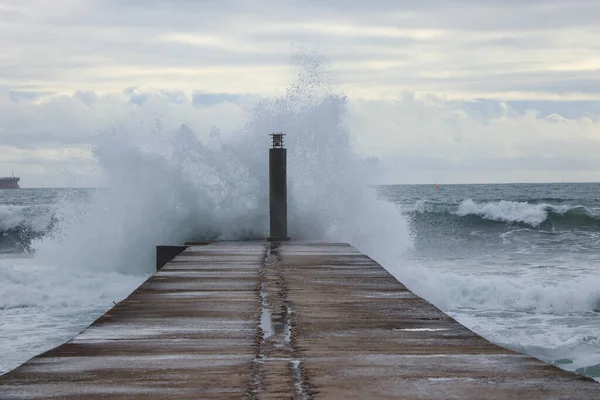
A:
x,y
294,320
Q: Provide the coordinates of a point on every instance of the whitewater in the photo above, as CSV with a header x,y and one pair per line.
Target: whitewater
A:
x,y
70,254
516,264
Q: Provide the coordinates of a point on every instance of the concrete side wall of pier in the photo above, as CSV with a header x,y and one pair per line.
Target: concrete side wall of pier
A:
x,y
297,320
164,254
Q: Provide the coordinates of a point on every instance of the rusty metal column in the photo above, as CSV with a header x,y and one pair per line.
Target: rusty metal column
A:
x,y
277,189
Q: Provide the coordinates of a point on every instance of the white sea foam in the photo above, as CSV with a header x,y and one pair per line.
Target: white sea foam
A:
x,y
10,216
13,216
420,206
507,211
533,214
451,291
55,289
167,185
570,342
42,306
554,319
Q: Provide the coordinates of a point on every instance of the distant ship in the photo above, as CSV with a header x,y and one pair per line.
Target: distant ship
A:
x,y
10,182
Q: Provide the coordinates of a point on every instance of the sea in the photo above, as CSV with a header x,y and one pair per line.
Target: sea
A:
x,y
517,263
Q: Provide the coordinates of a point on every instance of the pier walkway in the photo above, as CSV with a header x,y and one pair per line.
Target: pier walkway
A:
x,y
297,320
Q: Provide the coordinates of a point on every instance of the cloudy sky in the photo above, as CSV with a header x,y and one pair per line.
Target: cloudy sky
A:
x,y
439,91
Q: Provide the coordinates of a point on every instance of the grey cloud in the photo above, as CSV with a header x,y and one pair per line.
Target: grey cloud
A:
x,y
485,165
438,14
138,98
483,110
86,97
68,45
516,41
423,169
479,80
569,109
209,99
17,96
461,14
127,53
562,82
455,140
574,82
66,121
175,96
377,48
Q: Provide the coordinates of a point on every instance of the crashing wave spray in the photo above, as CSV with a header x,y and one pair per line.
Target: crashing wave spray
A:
x,y
169,187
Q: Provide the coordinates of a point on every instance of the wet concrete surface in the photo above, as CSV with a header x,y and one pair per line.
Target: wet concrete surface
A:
x,y
298,320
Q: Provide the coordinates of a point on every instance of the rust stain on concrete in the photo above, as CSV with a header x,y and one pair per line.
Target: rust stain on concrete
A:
x,y
298,320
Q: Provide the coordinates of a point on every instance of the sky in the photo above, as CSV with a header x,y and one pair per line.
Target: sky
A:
x,y
438,91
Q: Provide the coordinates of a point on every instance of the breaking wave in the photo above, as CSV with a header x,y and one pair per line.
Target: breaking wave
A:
x,y
20,225
453,292
527,214
168,185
